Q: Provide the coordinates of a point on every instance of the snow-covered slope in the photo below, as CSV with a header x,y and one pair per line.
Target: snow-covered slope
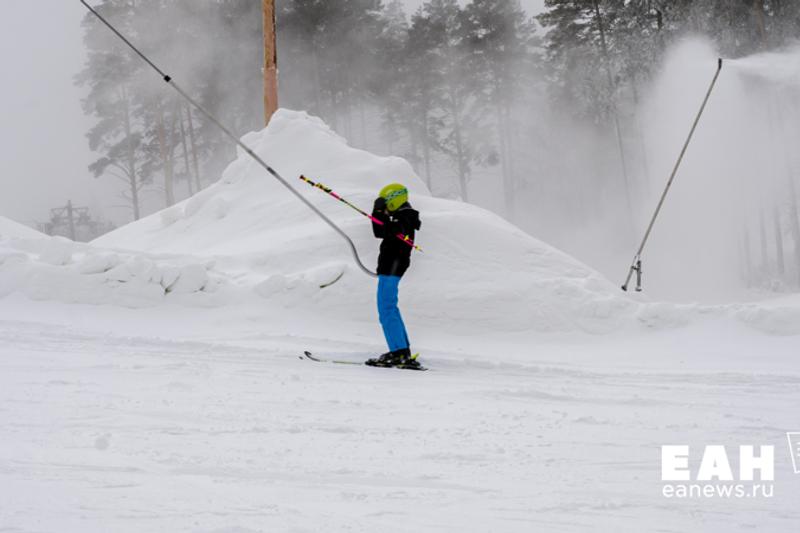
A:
x,y
14,230
477,271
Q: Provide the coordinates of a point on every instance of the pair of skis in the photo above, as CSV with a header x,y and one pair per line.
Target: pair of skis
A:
x,y
308,356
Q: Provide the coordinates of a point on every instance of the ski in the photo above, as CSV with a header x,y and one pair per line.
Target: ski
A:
x,y
311,357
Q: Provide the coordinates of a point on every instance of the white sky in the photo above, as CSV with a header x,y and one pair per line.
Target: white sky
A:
x,y
43,149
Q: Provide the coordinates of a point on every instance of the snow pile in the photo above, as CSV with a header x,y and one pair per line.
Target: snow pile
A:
x,y
62,270
14,230
477,272
248,245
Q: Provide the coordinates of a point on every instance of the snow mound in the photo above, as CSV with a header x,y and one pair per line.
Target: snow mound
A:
x,y
62,270
477,272
14,230
247,245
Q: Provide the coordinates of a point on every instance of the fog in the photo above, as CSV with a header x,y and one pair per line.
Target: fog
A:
x,y
45,156
716,235
43,150
725,231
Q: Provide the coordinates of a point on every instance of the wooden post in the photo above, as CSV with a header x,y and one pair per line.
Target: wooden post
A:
x,y
270,62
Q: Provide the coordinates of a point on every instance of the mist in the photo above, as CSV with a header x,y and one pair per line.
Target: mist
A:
x,y
44,154
556,151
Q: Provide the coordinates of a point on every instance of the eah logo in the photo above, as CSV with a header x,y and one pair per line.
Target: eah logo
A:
x,y
715,477
794,449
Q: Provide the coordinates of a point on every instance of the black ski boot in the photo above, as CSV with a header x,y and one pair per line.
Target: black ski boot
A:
x,y
388,359
397,359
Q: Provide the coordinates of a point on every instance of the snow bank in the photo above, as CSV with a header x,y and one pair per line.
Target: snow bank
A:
x,y
62,270
477,271
14,230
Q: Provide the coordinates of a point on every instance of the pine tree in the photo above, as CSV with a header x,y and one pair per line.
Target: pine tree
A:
x,y
390,77
110,75
441,24
340,41
502,40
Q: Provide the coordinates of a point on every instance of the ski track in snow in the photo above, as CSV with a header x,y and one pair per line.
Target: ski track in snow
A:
x,y
105,432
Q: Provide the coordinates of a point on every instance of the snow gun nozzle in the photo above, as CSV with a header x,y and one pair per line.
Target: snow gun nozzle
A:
x,y
636,269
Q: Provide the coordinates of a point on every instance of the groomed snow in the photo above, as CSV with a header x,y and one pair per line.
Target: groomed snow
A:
x,y
188,420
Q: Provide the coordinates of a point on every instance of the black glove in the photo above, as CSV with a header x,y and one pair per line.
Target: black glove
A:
x,y
380,205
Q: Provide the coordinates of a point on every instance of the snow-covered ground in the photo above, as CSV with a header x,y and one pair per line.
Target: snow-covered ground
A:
x,y
119,424
151,380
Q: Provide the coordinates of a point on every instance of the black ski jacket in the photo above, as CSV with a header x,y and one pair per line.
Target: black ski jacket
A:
x,y
395,255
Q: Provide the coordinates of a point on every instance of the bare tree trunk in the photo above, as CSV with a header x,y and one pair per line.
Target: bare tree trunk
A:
x,y
614,111
645,184
348,112
426,150
413,138
185,152
758,12
764,245
195,163
165,159
779,242
349,115
509,133
317,83
508,193
392,126
794,214
132,170
748,264
270,61
462,171
794,225
505,167
460,155
362,115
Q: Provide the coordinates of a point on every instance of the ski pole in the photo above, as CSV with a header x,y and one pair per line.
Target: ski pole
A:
x,y
330,191
636,266
168,79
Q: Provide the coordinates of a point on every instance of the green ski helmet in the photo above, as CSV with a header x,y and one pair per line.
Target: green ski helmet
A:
x,y
395,196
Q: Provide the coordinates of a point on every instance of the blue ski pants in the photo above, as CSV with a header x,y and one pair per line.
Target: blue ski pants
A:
x,y
392,323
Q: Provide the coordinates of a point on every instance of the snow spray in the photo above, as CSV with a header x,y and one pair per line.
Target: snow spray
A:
x,y
636,265
168,79
729,228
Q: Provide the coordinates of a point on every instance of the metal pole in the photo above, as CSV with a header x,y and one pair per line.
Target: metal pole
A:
x,y
636,265
168,79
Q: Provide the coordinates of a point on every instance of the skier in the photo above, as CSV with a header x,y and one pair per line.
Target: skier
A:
x,y
399,218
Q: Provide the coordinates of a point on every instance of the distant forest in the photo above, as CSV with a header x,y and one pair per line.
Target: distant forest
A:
x,y
450,87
